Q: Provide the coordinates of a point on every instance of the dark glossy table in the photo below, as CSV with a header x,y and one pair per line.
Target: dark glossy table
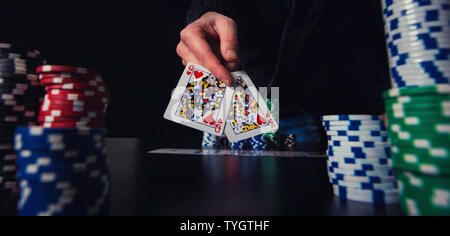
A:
x,y
144,184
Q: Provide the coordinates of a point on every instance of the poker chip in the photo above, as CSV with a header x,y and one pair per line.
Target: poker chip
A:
x,y
424,195
378,197
358,138
238,146
69,69
258,143
76,97
77,87
210,141
359,163
418,41
62,171
20,93
352,118
418,106
289,142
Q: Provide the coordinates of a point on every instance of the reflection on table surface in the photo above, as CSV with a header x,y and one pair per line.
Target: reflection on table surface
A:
x,y
183,185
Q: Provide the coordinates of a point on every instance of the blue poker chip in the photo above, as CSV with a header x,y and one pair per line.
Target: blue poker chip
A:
x,y
89,198
356,128
365,179
365,144
359,161
361,150
68,156
379,197
357,155
354,138
365,186
259,143
351,117
241,145
363,167
41,132
363,173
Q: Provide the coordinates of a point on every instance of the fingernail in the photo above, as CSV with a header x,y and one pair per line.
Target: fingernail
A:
x,y
232,53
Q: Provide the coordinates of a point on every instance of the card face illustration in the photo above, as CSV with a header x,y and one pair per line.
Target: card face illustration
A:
x,y
200,101
249,115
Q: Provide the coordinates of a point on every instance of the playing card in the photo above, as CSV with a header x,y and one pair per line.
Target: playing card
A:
x,y
200,101
249,115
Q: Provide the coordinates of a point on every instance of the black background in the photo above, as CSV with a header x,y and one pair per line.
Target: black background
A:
x,y
131,43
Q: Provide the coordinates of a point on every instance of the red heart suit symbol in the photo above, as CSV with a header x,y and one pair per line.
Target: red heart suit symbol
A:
x,y
209,120
198,74
261,120
189,73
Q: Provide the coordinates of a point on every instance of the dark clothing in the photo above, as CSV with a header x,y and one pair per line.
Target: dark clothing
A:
x,y
334,57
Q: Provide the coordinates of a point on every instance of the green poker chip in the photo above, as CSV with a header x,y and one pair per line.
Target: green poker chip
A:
x,y
424,195
410,161
440,129
439,105
434,114
417,121
435,161
414,91
419,99
273,137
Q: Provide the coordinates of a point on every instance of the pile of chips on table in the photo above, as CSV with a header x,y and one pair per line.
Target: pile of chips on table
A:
x,y
359,159
76,97
268,141
418,106
62,166
20,96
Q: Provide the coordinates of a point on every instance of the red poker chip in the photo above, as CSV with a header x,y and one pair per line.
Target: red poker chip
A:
x,y
77,87
66,75
62,81
69,113
72,108
69,69
73,125
76,97
92,93
51,119
85,93
73,103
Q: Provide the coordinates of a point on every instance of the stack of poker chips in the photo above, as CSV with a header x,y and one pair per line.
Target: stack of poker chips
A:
x,y
62,172
419,129
418,39
210,141
289,142
358,159
20,94
418,110
76,97
238,146
259,143
273,138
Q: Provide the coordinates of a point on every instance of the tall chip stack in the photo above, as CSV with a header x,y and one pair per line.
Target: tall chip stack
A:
x,y
359,159
62,167
418,106
21,94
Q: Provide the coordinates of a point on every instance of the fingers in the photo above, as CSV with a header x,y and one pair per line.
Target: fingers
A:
x,y
186,55
194,39
227,31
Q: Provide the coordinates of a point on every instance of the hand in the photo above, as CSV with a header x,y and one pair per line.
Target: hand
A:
x,y
203,40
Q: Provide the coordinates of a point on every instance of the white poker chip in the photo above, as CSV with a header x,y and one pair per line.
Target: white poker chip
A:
x,y
368,196
365,186
358,161
363,179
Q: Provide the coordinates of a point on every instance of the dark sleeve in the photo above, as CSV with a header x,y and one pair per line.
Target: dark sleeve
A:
x,y
200,7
